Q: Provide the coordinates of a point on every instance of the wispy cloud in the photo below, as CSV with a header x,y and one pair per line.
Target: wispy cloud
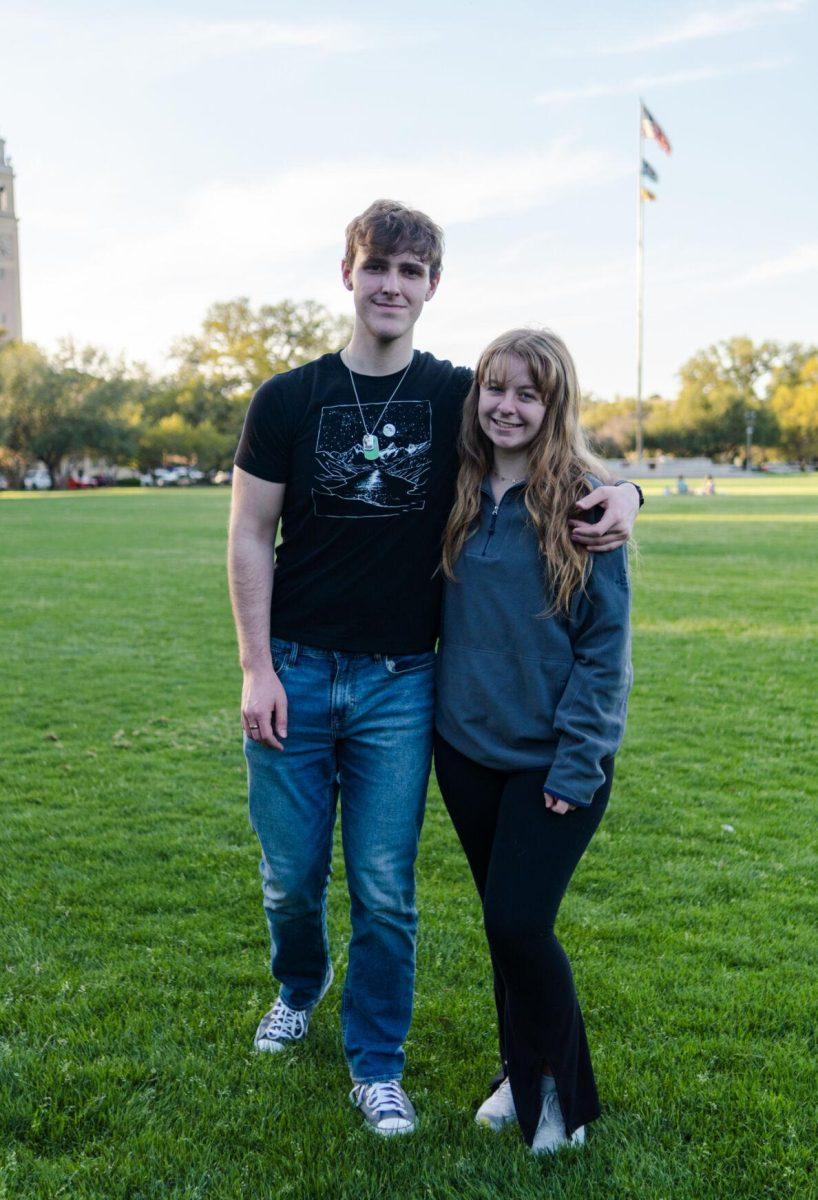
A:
x,y
802,261
307,208
717,278
220,39
709,23
284,234
141,43
645,83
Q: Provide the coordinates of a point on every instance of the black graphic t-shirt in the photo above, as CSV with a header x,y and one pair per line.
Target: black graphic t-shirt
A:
x,y
370,481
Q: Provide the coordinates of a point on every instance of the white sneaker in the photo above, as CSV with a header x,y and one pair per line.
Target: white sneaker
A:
x,y
549,1136
386,1107
499,1109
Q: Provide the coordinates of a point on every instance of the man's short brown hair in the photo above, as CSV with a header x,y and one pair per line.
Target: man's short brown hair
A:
x,y
390,227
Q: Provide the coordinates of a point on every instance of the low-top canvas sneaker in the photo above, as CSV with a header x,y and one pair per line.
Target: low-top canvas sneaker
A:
x,y
281,1027
386,1107
550,1136
499,1109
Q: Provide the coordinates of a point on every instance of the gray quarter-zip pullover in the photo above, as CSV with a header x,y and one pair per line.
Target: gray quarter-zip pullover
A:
x,y
519,691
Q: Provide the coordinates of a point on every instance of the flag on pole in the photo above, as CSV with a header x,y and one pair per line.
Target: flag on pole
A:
x,y
648,171
652,129
646,194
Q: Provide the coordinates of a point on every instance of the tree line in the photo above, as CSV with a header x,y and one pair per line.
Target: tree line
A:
x,y
78,401
719,386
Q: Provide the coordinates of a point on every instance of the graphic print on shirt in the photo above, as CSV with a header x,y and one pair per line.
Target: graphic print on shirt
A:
x,y
380,477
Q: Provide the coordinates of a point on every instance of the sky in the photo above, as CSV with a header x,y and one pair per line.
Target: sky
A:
x,y
171,156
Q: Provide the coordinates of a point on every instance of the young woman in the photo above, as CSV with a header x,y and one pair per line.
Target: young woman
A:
x,y
534,674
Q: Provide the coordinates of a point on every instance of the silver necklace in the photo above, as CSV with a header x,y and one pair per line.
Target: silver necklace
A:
x,y
510,482
372,450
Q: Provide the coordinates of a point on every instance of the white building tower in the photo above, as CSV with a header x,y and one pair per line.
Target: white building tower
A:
x,y
11,321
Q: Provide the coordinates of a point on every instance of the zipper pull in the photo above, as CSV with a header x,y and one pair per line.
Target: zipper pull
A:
x,y
490,530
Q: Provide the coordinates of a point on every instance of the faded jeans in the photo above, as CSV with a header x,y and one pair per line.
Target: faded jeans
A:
x,y
359,725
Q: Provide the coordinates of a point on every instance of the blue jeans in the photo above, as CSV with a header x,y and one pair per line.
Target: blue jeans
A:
x,y
359,725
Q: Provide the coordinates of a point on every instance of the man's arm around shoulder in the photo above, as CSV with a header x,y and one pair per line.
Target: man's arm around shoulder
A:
x,y
621,503
254,515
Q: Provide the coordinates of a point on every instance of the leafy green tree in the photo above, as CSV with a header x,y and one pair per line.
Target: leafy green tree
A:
x,y
719,386
195,399
239,347
786,368
663,432
197,412
172,436
611,425
52,409
24,391
795,404
12,467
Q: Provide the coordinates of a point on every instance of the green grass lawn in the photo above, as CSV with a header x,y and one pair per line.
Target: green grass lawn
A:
x,y
134,955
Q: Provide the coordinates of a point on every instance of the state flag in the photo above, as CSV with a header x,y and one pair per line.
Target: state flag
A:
x,y
648,171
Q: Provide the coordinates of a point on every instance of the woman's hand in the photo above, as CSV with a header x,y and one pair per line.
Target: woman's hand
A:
x,y
557,806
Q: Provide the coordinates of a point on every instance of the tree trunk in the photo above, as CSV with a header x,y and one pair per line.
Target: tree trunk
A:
x,y
53,466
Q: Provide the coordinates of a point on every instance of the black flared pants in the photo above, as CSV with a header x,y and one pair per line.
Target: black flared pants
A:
x,y
522,857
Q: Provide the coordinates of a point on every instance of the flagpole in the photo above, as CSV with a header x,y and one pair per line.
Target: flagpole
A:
x,y
640,285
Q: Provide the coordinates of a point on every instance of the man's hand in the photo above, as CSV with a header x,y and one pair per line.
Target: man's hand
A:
x,y
621,505
557,806
255,511
264,708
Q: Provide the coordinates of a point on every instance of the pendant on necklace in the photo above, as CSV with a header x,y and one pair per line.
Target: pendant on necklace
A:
x,y
372,450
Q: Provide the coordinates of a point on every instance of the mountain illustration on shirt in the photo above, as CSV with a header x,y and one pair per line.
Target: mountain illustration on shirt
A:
x,y
348,484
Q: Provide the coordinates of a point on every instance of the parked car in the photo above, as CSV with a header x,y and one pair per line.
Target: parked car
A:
x,y
37,480
176,476
165,476
158,477
81,480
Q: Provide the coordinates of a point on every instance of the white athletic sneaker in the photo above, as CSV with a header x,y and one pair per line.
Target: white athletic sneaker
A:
x,y
499,1109
550,1136
386,1107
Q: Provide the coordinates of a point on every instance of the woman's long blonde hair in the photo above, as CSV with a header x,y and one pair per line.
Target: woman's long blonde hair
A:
x,y
559,460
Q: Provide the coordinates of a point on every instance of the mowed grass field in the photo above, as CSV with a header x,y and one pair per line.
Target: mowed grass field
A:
x,y
133,951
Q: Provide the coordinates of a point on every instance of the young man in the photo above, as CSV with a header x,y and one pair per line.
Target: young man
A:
x,y
356,454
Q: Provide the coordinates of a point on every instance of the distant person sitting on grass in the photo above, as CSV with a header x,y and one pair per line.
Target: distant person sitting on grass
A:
x,y
356,453
709,488
533,679
681,487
